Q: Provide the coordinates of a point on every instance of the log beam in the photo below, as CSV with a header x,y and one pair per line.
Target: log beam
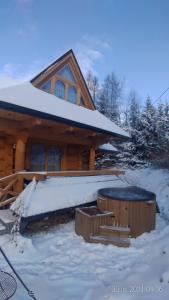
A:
x,y
20,159
92,158
20,153
31,122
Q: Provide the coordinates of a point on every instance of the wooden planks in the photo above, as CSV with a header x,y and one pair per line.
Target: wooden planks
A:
x,y
96,227
70,173
7,202
139,216
92,158
6,156
7,189
142,217
87,225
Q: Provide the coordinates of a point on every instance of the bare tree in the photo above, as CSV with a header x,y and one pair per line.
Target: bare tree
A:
x,y
111,93
93,85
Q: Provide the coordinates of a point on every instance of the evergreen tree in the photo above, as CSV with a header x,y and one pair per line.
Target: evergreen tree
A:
x,y
134,110
148,138
148,125
163,127
102,104
110,94
130,152
133,121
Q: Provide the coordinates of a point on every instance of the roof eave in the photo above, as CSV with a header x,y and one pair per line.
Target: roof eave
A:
x,y
46,116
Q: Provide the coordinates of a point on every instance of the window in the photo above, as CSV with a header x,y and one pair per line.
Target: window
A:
x,y
72,94
46,86
44,158
53,159
82,101
37,158
60,89
66,73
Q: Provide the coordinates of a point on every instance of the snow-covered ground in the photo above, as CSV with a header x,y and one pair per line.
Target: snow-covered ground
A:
x,y
60,265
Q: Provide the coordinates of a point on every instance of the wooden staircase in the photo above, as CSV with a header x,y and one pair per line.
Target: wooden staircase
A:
x,y
107,240
114,231
114,235
96,227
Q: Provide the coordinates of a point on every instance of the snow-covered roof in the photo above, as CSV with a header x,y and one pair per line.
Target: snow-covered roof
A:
x,y
108,147
27,99
7,81
72,191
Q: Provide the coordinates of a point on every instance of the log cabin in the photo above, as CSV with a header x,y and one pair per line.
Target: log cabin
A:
x,y
51,123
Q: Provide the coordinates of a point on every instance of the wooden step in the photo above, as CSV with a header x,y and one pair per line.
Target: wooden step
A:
x,y
114,231
116,241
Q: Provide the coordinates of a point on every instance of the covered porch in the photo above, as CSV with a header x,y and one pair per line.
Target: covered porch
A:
x,y
35,144
43,136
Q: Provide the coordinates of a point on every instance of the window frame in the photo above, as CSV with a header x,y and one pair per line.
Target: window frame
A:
x,y
64,78
68,95
46,149
49,81
55,89
67,85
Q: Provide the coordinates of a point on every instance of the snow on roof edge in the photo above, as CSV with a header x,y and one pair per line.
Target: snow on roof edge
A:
x,y
17,98
108,147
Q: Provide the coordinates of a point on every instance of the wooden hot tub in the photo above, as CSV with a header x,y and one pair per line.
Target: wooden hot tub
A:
x,y
133,207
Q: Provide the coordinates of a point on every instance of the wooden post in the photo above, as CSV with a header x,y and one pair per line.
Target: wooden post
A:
x,y
66,91
20,153
20,159
92,159
78,97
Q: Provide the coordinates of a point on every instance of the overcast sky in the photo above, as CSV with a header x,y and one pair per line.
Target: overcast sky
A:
x,y
129,37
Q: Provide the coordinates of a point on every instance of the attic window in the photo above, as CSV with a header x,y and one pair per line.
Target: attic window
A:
x,y
66,73
72,94
60,89
46,86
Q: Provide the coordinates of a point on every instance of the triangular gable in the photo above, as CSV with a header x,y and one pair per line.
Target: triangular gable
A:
x,y
67,73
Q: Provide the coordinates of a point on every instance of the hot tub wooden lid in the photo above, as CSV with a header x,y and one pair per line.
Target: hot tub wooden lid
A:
x,y
131,193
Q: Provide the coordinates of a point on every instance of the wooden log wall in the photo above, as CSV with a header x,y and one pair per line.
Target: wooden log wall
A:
x,y
20,153
73,158
6,156
92,158
15,155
